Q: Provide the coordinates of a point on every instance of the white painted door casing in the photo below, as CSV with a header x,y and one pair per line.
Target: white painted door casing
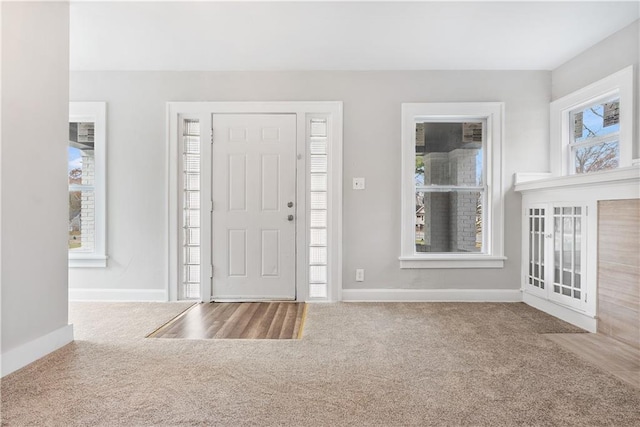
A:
x,y
305,111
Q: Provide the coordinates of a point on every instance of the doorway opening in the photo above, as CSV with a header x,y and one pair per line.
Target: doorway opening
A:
x,y
255,201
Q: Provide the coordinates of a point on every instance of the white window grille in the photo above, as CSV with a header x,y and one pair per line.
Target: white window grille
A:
x,y
536,261
190,257
318,206
568,252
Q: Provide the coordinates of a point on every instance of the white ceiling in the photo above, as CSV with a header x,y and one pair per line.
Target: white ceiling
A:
x,y
339,35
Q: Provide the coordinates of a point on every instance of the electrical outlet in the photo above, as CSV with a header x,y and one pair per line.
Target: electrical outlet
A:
x,y
359,275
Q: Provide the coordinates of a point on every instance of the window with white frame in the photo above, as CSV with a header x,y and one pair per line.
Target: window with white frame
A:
x,y
594,142
591,129
318,139
86,175
191,200
452,190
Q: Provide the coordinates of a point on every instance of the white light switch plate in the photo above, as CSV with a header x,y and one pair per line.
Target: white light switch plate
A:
x,y
358,183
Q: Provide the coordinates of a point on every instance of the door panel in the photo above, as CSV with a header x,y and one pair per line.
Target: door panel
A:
x,y
254,180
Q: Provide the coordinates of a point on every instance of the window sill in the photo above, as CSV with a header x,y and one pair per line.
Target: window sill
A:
x,y
87,261
522,183
452,261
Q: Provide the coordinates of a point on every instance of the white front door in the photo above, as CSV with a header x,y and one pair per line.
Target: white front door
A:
x,y
254,205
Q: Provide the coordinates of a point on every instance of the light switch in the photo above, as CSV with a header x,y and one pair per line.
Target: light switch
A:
x,y
358,183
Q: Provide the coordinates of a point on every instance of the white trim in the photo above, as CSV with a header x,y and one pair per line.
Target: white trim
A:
x,y
620,83
88,261
25,354
97,113
426,295
302,109
581,320
102,294
631,173
522,177
452,261
493,113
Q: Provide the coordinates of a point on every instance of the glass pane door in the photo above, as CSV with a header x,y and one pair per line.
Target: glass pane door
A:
x,y
536,248
568,253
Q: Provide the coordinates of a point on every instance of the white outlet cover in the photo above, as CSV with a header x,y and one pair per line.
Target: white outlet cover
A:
x,y
358,183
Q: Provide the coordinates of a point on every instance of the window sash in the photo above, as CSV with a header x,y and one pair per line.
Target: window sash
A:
x,y
457,221
490,113
615,86
614,136
94,112
609,139
446,188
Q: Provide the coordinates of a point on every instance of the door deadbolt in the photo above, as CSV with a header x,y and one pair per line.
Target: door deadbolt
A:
x,y
290,217
290,204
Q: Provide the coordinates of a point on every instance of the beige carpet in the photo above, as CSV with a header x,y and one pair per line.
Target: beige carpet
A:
x,y
357,364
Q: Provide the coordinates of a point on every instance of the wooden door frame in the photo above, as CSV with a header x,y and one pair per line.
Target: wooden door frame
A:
x,y
303,111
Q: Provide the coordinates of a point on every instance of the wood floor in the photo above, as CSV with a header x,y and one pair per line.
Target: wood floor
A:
x,y
248,320
615,357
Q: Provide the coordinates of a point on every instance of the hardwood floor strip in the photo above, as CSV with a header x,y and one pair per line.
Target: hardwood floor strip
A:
x,y
170,322
300,322
289,322
244,320
231,322
263,327
276,324
253,327
256,320
610,355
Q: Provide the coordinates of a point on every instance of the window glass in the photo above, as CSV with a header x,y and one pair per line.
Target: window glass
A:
x,y
81,175
318,204
600,119
594,142
191,209
449,191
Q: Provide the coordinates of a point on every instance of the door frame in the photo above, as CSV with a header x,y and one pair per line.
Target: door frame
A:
x,y
304,111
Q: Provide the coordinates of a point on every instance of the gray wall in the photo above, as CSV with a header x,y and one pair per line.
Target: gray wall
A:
x,y
610,55
136,210
35,111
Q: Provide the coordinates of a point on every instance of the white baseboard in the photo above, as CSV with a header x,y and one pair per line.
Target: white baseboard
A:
x,y
426,295
584,321
117,295
20,357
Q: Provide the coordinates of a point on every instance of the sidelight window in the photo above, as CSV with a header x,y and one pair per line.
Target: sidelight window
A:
x,y
318,205
190,256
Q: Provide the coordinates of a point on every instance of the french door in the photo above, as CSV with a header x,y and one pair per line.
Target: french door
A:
x,y
556,253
